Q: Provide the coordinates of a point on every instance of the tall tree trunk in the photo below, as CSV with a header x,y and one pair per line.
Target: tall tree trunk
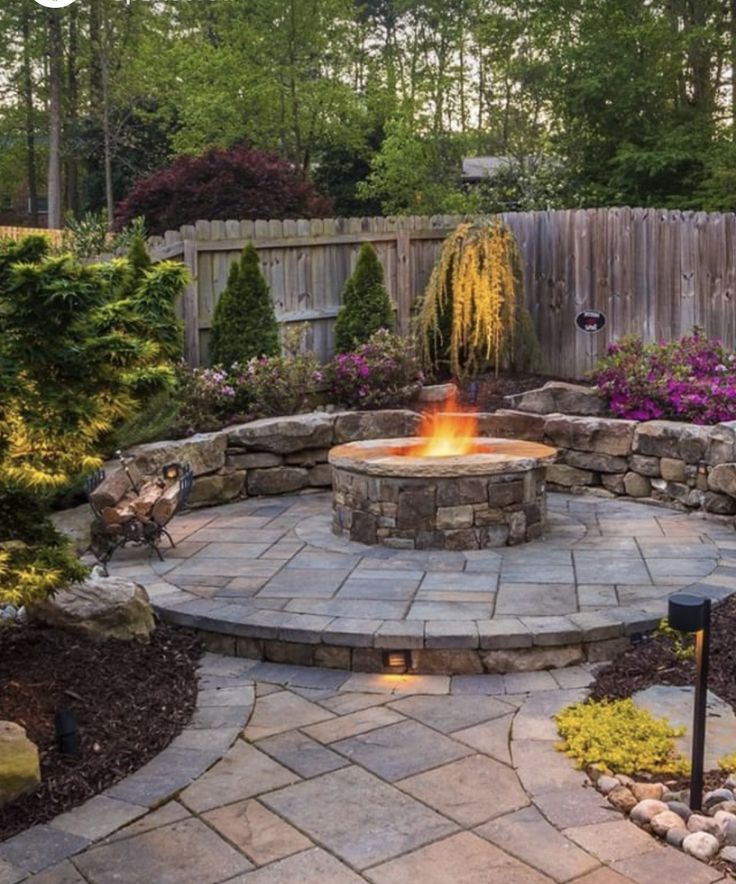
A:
x,y
732,36
100,91
72,158
56,72
30,128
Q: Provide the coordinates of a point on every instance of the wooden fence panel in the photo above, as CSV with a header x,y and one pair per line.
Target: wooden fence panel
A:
x,y
653,272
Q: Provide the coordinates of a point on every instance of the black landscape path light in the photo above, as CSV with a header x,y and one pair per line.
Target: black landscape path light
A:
x,y
690,613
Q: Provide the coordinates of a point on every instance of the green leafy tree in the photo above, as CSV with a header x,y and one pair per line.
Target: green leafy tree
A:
x,y
244,325
366,306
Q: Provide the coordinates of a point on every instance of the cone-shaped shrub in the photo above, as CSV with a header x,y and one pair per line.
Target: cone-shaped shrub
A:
x,y
366,306
244,325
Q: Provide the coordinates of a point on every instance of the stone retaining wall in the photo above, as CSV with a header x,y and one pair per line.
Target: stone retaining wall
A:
x,y
689,466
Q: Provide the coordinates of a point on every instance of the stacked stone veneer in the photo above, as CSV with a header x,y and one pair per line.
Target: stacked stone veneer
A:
x,y
689,466
441,512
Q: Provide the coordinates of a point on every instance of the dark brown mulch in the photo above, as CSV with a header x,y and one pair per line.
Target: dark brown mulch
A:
x,y
491,389
654,661
130,701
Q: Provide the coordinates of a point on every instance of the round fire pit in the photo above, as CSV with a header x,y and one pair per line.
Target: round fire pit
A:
x,y
385,491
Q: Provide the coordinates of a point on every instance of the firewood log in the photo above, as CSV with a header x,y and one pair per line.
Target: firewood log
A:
x,y
164,507
111,490
146,498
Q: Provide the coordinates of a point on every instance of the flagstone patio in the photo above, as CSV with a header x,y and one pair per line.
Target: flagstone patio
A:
x,y
345,777
270,569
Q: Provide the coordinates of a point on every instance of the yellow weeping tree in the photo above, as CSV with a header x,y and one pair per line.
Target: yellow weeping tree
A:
x,y
472,315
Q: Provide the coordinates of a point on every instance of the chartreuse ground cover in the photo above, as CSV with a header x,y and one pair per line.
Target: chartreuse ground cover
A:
x,y
620,736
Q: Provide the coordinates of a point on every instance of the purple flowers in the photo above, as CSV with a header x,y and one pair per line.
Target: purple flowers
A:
x,y
691,379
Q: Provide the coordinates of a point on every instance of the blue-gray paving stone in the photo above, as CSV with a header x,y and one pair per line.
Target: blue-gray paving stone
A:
x,y
635,620
451,634
370,572
245,621
535,598
400,634
477,684
166,775
676,567
272,509
710,591
302,754
352,632
540,573
206,739
304,583
349,608
388,590
39,847
450,611
548,631
10,874
220,716
607,569
322,561
460,581
304,628
231,696
504,632
300,676
400,750
597,626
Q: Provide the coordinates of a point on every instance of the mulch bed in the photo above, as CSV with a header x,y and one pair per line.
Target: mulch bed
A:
x,y
130,701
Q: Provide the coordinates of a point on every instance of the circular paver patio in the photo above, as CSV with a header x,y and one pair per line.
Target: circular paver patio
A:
x,y
270,568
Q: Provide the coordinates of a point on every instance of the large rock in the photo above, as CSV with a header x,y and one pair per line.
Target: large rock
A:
x,y
100,608
722,444
76,524
636,485
282,435
278,480
568,477
723,478
434,393
220,488
393,423
672,439
508,424
560,396
205,452
593,460
20,769
605,436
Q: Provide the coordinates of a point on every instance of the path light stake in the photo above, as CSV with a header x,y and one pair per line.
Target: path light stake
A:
x,y
67,735
689,613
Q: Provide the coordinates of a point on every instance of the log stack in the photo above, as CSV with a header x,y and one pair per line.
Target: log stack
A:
x,y
118,502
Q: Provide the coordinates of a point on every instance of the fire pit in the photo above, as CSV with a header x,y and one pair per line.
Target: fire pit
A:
x,y
444,489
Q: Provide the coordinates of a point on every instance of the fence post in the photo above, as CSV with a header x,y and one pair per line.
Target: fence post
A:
x,y
191,311
403,280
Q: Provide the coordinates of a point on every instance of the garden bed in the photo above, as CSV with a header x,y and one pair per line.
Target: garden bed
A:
x,y
130,701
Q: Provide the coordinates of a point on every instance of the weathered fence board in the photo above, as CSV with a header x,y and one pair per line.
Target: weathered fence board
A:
x,y
653,272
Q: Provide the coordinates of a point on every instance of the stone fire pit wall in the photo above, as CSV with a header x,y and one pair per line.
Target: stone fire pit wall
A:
x,y
688,466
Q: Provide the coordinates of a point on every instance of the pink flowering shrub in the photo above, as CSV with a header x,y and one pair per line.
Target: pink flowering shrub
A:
x,y
382,373
276,385
693,379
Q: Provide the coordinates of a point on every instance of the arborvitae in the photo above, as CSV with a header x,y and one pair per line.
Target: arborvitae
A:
x,y
366,306
138,256
244,324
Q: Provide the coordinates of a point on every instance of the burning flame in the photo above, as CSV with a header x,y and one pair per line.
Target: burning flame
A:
x,y
447,431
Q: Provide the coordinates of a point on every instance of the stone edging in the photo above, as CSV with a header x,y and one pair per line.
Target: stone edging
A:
x,y
224,703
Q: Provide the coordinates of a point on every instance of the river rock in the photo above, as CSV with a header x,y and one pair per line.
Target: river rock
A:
x,y
728,854
100,608
717,796
727,823
643,812
661,823
675,836
606,784
680,808
701,845
648,790
20,769
622,799
699,823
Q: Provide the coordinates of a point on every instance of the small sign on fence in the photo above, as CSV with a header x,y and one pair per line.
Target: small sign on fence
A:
x,y
590,320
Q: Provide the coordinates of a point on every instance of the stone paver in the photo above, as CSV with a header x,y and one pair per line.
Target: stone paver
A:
x,y
276,571
465,788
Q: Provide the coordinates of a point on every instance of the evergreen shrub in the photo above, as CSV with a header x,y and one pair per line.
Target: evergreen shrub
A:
x,y
366,306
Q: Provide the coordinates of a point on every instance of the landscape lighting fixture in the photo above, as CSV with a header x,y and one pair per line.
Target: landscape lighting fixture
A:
x,y
171,471
394,660
690,613
67,735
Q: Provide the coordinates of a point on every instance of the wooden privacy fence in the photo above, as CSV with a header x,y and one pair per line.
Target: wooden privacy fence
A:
x,y
652,272
20,232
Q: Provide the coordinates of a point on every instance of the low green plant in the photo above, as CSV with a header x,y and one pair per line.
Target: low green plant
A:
x,y
682,644
366,306
89,236
619,735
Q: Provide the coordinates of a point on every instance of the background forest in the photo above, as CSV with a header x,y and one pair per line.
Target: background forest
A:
x,y
593,102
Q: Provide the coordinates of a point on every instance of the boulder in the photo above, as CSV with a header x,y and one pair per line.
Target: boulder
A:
x,y
253,460
636,485
393,423
663,822
605,436
672,469
568,477
76,524
622,799
646,466
697,822
722,504
596,461
648,790
282,435
722,444
434,393
613,482
100,608
277,480
672,439
221,488
606,784
562,397
20,768
507,424
723,478
204,452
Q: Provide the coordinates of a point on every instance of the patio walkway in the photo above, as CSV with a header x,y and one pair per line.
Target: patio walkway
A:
x,y
342,777
270,568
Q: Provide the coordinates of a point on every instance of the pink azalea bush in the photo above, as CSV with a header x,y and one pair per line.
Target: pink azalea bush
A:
x,y
693,379
382,373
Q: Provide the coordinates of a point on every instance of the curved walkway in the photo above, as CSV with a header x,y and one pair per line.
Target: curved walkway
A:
x,y
340,778
270,568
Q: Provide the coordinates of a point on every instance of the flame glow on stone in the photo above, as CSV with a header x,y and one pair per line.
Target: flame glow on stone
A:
x,y
447,432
